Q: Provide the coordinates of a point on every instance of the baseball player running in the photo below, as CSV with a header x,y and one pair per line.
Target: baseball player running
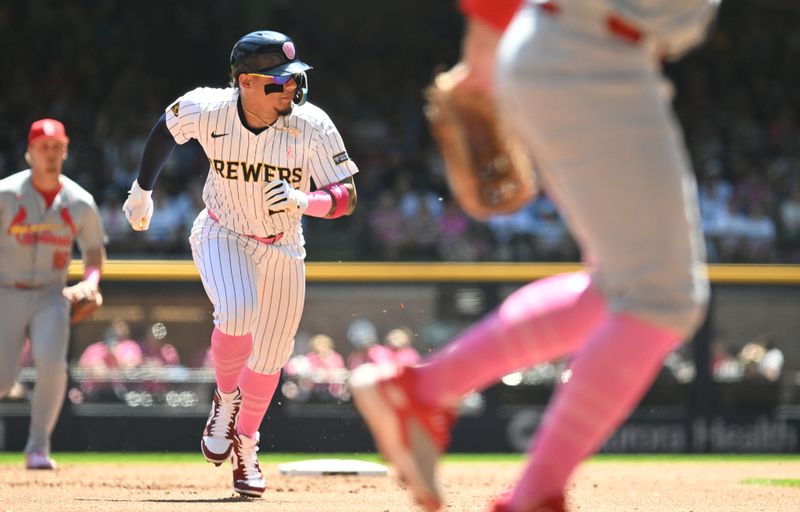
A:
x,y
265,144
42,213
580,82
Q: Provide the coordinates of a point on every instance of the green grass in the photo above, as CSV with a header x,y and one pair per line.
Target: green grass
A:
x,y
173,457
278,458
693,458
269,458
780,482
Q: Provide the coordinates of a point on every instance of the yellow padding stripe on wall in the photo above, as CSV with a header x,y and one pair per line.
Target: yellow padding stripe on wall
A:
x,y
184,270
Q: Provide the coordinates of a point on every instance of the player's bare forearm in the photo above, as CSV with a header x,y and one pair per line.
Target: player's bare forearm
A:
x,y
94,258
478,49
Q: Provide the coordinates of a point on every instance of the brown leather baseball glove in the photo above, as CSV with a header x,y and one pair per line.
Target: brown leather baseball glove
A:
x,y
488,171
84,301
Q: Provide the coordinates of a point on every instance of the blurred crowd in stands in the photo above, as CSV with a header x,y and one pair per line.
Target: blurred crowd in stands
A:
x,y
108,69
144,368
122,367
140,367
318,372
118,364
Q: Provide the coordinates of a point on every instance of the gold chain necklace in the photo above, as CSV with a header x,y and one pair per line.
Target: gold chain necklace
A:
x,y
257,117
291,130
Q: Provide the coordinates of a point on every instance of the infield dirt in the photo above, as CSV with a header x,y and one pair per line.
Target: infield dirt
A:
x,y
468,486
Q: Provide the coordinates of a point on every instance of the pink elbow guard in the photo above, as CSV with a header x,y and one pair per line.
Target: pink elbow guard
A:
x,y
341,198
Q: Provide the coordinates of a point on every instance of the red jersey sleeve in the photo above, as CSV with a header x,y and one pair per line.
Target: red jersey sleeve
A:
x,y
497,13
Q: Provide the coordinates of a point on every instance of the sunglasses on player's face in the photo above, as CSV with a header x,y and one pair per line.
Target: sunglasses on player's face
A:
x,y
278,80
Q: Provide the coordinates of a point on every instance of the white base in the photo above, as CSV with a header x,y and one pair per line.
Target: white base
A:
x,y
329,467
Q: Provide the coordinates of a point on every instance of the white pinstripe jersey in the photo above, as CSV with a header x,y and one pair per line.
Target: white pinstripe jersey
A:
x,y
302,146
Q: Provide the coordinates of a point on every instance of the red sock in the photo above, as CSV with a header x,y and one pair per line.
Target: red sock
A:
x,y
257,390
542,321
610,374
230,353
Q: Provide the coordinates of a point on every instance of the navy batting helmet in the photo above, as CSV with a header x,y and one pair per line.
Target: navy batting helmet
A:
x,y
266,53
269,53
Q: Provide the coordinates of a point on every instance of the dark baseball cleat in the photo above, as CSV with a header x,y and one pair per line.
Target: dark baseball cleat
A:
x,y
554,504
248,480
410,436
218,436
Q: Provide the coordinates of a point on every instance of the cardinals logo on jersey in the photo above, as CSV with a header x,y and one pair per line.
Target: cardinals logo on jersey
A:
x,y
17,222
29,234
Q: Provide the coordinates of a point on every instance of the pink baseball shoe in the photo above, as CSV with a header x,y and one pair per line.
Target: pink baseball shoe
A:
x,y
554,504
409,435
39,460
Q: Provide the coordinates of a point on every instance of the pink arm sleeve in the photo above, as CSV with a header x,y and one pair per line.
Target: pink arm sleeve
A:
x,y
334,197
319,203
92,275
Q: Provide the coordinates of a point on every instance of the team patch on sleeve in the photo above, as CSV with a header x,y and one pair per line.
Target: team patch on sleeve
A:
x,y
341,157
175,108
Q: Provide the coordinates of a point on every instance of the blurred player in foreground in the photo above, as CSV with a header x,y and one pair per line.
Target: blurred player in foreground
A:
x,y
580,82
265,145
42,213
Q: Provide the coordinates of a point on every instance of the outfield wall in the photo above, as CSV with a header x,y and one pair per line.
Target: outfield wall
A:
x,y
689,409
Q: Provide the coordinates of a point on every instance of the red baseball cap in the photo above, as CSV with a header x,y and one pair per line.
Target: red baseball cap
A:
x,y
47,128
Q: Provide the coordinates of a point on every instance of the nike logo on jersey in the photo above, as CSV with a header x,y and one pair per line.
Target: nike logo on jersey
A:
x,y
273,212
215,135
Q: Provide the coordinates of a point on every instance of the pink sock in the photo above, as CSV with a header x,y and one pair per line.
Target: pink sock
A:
x,y
257,390
610,375
230,354
540,322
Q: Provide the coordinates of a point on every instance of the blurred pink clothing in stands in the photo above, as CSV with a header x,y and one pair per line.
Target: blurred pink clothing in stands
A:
x,y
374,354
100,357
